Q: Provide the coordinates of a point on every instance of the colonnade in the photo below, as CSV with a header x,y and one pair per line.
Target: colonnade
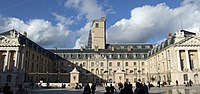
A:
x,y
186,63
11,60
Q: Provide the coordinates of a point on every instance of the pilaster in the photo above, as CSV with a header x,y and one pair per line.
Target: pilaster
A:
x,y
187,60
178,60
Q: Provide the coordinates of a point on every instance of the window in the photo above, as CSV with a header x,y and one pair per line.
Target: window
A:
x,y
126,71
182,64
185,77
33,56
102,71
135,70
135,79
191,65
101,63
84,64
92,70
134,63
142,70
110,71
26,53
126,64
97,25
142,63
9,77
92,64
110,63
118,63
61,64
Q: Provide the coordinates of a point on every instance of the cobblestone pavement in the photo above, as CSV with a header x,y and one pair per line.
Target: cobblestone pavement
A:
x,y
100,90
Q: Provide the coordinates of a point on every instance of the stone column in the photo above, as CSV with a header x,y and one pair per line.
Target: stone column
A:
x,y
198,57
16,60
6,60
178,60
187,60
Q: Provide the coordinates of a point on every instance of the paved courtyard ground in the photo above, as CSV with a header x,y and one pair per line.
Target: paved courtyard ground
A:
x,y
100,90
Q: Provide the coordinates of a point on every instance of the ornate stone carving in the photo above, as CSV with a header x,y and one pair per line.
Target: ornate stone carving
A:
x,y
191,42
5,41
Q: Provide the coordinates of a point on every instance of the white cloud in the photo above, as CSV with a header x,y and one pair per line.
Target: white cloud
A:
x,y
153,23
63,20
83,33
88,8
40,31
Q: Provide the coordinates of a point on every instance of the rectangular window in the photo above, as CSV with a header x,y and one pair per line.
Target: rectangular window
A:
x,y
134,63
101,63
185,77
182,64
110,64
118,63
135,70
97,25
110,71
126,71
142,63
92,64
191,64
126,64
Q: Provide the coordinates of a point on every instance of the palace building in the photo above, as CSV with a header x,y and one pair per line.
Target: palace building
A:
x,y
176,58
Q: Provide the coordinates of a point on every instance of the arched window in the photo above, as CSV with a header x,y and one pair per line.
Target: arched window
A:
x,y
110,63
92,64
126,64
118,63
9,77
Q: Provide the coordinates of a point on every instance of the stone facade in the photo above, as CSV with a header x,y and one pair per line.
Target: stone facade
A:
x,y
176,58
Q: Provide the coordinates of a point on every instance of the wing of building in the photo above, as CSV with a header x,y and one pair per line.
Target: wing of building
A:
x,y
175,59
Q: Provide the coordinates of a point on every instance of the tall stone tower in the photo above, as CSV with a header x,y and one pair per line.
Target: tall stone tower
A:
x,y
99,33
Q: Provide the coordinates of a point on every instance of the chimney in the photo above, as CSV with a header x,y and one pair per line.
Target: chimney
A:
x,y
25,33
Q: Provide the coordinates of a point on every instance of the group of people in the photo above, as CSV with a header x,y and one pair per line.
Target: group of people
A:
x,y
188,83
88,90
7,90
127,88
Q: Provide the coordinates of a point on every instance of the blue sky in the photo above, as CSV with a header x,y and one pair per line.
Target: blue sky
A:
x,y
65,23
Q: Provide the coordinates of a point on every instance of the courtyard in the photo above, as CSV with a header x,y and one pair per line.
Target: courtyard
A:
x,y
101,90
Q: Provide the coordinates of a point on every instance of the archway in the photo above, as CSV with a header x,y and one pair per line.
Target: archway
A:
x,y
196,79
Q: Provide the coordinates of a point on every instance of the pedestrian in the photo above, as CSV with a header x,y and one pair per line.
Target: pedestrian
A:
x,y
112,89
7,89
127,90
176,82
158,83
146,90
108,91
93,88
21,90
87,89
190,82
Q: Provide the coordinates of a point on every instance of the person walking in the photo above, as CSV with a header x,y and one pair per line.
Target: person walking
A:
x,y
87,89
93,88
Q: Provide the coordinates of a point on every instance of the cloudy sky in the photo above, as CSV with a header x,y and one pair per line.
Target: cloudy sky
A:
x,y
66,23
